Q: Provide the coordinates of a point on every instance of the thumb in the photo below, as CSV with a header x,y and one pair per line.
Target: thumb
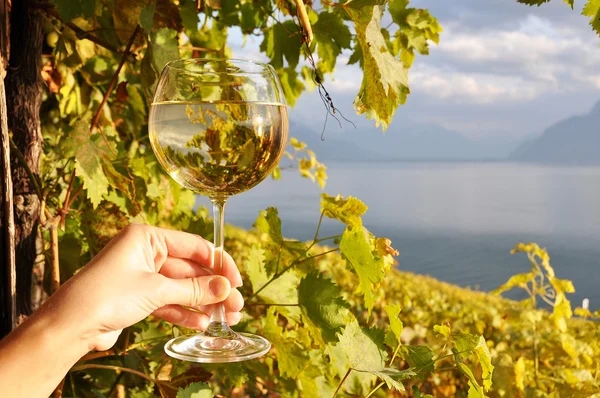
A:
x,y
202,290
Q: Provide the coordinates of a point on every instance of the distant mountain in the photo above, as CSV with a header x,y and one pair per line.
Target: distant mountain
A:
x,y
575,140
409,142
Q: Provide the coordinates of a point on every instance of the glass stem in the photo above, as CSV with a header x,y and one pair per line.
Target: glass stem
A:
x,y
217,315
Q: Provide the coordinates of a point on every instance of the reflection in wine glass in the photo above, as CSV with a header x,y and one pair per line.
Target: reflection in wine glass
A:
x,y
218,127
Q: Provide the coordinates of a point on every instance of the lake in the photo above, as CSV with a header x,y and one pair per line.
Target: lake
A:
x,y
455,221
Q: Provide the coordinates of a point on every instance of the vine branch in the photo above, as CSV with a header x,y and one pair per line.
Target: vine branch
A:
x,y
82,34
342,382
114,79
116,369
294,263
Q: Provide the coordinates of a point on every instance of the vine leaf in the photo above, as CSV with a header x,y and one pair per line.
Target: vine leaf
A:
x,y
164,47
91,153
322,305
592,9
444,330
540,2
385,79
269,224
283,290
347,210
485,360
465,343
195,390
332,35
518,280
396,326
147,15
279,42
364,355
420,358
417,28
356,248
71,9
194,374
291,356
189,15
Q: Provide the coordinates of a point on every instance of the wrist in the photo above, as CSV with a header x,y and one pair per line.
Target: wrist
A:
x,y
41,349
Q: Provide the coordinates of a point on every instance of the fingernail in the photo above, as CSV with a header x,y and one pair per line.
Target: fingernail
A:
x,y
219,286
237,318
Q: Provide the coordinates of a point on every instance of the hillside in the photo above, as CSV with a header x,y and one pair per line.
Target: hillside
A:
x,y
575,140
402,141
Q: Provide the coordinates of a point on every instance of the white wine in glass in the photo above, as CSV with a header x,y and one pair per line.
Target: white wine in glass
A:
x,y
218,127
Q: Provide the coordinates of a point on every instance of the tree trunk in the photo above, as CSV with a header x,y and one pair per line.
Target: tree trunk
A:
x,y
24,89
8,289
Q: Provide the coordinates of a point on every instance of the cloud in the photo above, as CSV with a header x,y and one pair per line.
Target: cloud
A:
x,y
537,49
474,88
508,64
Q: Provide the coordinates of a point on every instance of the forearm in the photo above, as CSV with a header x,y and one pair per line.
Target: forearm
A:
x,y
37,355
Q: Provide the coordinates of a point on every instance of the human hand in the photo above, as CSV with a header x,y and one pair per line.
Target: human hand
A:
x,y
146,270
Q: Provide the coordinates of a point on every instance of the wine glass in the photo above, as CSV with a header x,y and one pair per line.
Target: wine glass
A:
x,y
218,127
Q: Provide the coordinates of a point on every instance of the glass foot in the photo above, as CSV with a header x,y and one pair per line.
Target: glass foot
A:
x,y
232,347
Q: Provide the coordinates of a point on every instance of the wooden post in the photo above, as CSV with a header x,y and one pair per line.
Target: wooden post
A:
x,y
8,278
24,89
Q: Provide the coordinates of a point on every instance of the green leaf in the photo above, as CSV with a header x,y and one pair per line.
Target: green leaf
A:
x,y
71,9
420,359
485,360
364,355
165,47
465,343
281,291
444,330
195,390
475,390
321,303
540,2
291,84
393,313
90,152
359,4
292,357
356,249
347,210
417,393
279,42
268,222
385,79
189,15
146,16
250,17
332,35
592,9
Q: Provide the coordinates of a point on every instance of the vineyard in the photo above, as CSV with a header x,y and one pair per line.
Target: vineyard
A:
x,y
344,320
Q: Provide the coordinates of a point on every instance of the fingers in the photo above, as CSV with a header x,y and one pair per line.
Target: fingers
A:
x,y
191,319
183,317
233,303
180,268
192,292
166,243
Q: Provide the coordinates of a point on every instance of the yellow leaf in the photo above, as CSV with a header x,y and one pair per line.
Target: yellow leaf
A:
x,y
520,374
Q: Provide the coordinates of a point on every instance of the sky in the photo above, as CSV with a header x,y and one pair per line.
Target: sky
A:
x,y
501,69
